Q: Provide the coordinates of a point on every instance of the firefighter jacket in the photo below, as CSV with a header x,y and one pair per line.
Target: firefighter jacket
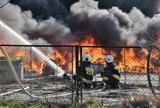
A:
x,y
87,72
110,72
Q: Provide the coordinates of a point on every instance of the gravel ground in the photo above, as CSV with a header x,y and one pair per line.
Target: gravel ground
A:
x,y
54,89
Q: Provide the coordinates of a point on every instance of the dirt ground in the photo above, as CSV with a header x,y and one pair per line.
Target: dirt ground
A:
x,y
57,90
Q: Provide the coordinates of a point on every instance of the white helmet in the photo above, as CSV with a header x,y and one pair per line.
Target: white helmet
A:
x,y
85,57
109,59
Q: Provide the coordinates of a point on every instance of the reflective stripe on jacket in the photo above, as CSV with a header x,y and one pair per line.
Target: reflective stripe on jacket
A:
x,y
86,81
116,76
89,70
105,78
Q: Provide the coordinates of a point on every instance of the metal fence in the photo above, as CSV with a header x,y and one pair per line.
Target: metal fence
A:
x,y
39,69
132,65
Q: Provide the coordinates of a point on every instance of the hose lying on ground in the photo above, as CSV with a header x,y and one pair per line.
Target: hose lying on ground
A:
x,y
10,92
19,82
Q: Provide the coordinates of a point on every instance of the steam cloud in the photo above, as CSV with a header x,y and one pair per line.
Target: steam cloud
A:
x,y
111,22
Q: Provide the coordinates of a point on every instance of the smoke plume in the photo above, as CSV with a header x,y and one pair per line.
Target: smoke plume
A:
x,y
43,9
147,7
24,24
110,22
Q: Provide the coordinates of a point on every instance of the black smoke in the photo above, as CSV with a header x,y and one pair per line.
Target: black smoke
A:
x,y
43,9
68,3
148,7
104,29
110,22
60,8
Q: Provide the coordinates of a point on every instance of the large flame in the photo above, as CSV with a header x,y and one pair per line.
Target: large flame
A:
x,y
62,57
127,59
133,61
30,63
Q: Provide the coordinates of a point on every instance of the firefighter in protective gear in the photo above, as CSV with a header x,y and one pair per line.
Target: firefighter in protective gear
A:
x,y
110,73
87,71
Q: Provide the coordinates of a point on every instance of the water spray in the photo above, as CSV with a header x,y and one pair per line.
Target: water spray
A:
x,y
19,82
4,4
35,50
51,63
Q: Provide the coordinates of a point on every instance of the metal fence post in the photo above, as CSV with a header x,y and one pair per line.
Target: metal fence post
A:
x,y
125,74
77,73
81,95
30,48
72,72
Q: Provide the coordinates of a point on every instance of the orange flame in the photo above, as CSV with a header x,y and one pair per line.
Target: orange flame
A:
x,y
130,60
34,65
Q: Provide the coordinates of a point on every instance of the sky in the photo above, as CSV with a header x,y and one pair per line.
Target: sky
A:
x,y
110,22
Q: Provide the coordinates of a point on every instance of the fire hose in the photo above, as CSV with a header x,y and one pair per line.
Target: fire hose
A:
x,y
19,82
13,71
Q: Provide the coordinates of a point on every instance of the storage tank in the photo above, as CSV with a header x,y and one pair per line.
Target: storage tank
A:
x,y
6,75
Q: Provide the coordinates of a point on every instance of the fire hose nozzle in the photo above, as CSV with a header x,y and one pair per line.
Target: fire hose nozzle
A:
x,y
66,76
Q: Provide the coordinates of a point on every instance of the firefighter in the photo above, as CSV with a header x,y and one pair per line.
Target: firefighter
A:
x,y
87,71
110,74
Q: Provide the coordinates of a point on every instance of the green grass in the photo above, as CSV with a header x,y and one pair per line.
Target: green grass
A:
x,y
39,105
136,101
13,104
89,104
